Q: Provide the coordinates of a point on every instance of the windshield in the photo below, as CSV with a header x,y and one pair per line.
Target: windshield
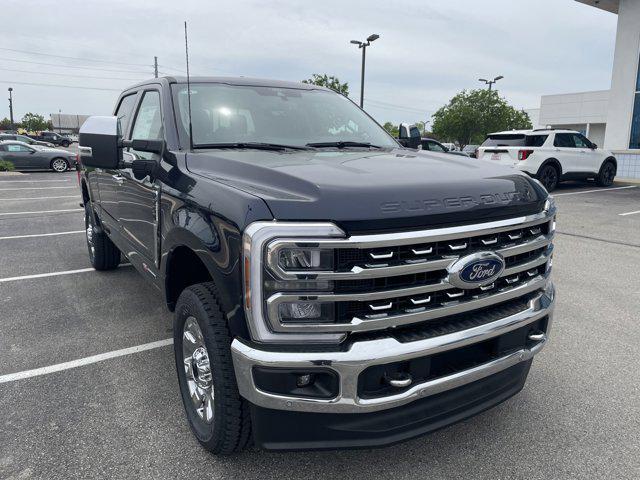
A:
x,y
225,114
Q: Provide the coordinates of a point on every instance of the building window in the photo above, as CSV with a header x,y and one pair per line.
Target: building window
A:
x,y
634,141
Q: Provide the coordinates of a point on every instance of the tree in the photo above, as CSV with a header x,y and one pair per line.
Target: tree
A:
x,y
33,122
392,129
471,115
330,82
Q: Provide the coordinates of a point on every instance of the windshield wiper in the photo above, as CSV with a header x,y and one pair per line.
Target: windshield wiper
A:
x,y
251,145
341,144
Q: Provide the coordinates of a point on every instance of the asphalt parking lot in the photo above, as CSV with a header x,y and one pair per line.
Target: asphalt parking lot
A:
x,y
122,417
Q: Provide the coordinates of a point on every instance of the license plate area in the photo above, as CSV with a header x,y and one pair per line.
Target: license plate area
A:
x,y
495,156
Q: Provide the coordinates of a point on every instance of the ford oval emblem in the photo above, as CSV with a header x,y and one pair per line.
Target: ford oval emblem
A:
x,y
475,270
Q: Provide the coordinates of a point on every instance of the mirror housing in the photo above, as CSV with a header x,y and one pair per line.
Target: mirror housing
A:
x,y
593,146
409,136
99,142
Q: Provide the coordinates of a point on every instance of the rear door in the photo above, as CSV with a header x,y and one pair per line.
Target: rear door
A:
x,y
567,153
138,198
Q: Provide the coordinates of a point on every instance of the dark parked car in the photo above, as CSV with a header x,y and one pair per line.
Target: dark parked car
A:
x,y
435,146
53,137
28,157
25,139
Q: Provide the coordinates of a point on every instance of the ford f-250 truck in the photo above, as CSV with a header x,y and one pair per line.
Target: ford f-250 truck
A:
x,y
330,287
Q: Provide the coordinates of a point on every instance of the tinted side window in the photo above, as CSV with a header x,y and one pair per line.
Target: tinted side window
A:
x,y
17,148
434,147
581,142
124,112
148,123
564,140
536,140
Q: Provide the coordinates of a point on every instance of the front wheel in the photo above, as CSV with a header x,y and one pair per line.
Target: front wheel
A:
x,y
65,144
103,254
59,165
217,414
549,177
607,174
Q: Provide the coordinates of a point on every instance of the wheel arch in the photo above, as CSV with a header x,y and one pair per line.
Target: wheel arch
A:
x,y
611,159
551,161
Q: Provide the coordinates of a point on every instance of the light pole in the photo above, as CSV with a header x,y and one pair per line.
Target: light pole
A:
x,y
425,127
11,107
363,46
490,82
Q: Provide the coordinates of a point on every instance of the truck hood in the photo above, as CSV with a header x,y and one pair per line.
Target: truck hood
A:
x,y
373,190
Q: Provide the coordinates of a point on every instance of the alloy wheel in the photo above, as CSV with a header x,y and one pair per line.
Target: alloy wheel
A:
x,y
59,165
549,177
197,369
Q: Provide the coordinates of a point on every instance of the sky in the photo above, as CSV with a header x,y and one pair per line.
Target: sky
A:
x,y
427,51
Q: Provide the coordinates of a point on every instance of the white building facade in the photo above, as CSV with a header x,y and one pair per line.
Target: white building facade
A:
x,y
610,118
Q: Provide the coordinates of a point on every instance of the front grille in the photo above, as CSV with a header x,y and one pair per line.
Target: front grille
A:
x,y
348,258
387,281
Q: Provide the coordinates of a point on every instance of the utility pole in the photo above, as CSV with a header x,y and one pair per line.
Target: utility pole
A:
x,y
11,107
155,66
363,46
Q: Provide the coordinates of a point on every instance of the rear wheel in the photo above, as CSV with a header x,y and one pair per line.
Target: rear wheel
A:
x,y
59,165
217,414
607,174
549,177
103,253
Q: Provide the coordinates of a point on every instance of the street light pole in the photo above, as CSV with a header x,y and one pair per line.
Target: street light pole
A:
x,y
363,46
11,107
490,82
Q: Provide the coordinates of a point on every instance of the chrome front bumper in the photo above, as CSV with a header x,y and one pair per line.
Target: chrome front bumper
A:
x,y
351,363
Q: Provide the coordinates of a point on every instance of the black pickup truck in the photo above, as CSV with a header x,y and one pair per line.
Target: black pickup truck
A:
x,y
331,288
54,138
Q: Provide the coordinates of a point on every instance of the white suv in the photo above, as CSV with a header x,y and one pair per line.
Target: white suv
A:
x,y
551,155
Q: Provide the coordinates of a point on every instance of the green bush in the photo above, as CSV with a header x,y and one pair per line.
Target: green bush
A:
x,y
6,166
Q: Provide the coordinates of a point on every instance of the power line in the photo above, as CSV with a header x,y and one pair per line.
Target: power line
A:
x,y
73,58
73,66
60,86
397,107
387,104
67,74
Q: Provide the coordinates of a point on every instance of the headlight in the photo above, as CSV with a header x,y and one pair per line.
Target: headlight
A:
x,y
305,259
550,204
283,261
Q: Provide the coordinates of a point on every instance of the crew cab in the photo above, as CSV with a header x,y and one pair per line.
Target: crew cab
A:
x,y
330,288
551,155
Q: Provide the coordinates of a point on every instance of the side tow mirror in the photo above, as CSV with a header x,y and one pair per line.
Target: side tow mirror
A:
x,y
409,136
99,142
594,146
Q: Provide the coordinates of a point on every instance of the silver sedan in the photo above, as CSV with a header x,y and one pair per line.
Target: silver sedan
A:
x,y
33,157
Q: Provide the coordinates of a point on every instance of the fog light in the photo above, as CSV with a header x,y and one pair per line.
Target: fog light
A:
x,y
306,312
304,380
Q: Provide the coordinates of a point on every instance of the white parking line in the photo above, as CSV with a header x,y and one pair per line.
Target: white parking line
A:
x,y
54,274
45,211
593,191
37,198
32,181
629,213
36,372
33,188
42,235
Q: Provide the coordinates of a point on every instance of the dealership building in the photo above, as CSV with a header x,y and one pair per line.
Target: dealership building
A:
x,y
610,118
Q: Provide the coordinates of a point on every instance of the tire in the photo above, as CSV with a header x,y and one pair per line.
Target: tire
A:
x,y
607,174
225,427
65,144
549,176
59,165
103,253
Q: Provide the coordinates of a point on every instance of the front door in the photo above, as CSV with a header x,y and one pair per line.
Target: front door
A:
x,y
138,198
109,180
20,155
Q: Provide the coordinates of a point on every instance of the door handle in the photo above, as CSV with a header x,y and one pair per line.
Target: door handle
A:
x,y
119,179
